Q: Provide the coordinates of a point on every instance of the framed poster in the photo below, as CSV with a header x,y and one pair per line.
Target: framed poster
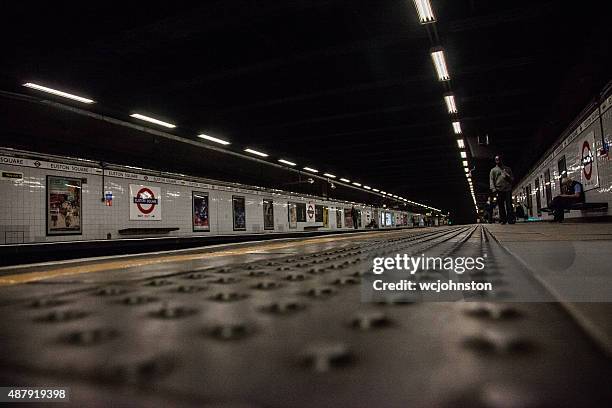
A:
x,y
200,211
348,218
239,211
292,214
145,203
318,213
338,218
268,214
64,212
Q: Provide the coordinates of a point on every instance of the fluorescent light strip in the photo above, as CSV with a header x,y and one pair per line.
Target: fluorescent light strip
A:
x,y
450,103
311,169
425,11
329,175
287,162
376,190
152,120
357,184
440,64
465,163
461,143
463,155
367,187
214,139
345,180
457,128
58,93
255,152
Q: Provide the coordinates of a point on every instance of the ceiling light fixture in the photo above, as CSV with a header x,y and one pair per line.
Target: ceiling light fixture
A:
x,y
425,11
58,93
461,143
437,57
153,120
214,139
329,175
287,162
255,152
457,127
463,155
311,169
450,103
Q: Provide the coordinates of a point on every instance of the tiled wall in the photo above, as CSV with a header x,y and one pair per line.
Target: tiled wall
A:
x,y
23,208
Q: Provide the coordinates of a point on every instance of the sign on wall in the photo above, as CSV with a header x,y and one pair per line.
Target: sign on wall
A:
x,y
201,212
64,215
239,212
268,214
145,203
588,161
310,212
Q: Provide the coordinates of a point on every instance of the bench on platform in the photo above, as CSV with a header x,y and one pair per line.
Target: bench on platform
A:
x,y
147,231
583,207
312,227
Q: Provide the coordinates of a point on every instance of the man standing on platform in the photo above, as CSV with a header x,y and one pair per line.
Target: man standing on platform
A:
x,y
500,180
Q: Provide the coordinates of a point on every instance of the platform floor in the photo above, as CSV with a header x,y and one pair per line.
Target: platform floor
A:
x,y
282,323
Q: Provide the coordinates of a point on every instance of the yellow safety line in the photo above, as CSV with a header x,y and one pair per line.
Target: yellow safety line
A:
x,y
131,263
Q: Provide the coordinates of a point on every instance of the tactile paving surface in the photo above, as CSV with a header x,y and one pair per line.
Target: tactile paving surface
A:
x,y
289,329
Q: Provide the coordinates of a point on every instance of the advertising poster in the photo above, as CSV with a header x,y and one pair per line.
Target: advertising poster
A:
x,y
268,214
239,211
145,203
201,212
64,215
326,217
389,219
292,213
338,218
348,218
588,161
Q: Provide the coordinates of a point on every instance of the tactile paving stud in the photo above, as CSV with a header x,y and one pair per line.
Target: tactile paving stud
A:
x,y
91,337
321,292
190,289
159,282
256,274
492,311
197,275
58,316
139,372
296,276
325,357
229,331
177,312
138,300
110,291
317,271
498,343
228,296
370,320
345,280
284,307
47,302
267,285
225,280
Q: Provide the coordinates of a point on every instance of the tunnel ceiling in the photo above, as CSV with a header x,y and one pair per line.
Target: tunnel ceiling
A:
x,y
342,86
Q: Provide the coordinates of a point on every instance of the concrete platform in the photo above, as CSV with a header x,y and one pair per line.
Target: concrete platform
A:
x,y
282,323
